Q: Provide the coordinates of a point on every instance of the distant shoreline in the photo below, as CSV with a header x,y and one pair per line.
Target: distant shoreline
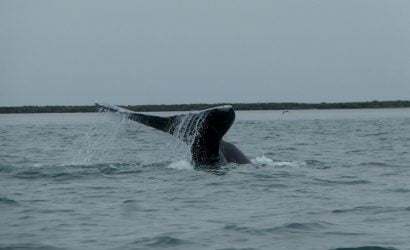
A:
x,y
189,107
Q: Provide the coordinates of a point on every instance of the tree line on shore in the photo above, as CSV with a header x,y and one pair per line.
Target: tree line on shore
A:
x,y
189,107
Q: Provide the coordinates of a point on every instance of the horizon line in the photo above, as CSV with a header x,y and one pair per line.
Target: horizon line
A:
x,y
204,103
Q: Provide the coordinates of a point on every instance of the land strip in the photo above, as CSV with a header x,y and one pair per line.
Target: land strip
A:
x,y
199,106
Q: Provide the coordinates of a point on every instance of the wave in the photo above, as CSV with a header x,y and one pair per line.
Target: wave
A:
x,y
399,190
364,248
76,171
316,164
7,201
27,246
64,171
289,227
375,134
72,171
375,164
161,241
340,182
371,209
234,248
6,168
69,172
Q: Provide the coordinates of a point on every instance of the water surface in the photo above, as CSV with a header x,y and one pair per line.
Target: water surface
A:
x,y
320,180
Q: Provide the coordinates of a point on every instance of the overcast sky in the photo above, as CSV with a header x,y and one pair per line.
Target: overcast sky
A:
x,y
154,52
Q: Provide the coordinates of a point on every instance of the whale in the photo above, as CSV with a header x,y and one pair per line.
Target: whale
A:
x,y
203,131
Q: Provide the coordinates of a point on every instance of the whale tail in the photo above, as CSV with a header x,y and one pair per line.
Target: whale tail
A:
x,y
202,130
164,124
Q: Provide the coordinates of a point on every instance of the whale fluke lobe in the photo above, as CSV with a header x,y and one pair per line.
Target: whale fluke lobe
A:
x,y
157,122
202,130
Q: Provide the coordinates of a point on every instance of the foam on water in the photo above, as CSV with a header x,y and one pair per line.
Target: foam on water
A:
x,y
181,165
265,161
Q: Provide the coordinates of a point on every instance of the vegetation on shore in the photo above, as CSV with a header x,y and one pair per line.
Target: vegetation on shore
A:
x,y
188,107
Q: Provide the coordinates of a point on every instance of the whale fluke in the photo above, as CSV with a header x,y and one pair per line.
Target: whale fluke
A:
x,y
203,131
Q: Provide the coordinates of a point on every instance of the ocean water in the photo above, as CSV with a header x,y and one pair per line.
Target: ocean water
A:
x,y
334,179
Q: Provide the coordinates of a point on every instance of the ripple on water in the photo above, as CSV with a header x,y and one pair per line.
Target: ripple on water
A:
x,y
340,182
161,241
6,201
234,248
28,246
294,227
316,164
375,164
300,227
400,190
6,168
364,248
44,174
71,172
371,210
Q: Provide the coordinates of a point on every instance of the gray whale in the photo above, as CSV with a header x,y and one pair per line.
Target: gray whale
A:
x,y
205,129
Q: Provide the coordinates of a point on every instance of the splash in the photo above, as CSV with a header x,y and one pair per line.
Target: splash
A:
x,y
181,165
96,143
265,161
187,128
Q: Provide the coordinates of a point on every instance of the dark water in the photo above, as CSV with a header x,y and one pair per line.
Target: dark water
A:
x,y
320,180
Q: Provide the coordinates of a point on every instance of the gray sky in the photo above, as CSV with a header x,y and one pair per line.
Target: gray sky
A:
x,y
153,52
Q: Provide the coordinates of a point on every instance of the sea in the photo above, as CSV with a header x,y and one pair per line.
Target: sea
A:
x,y
319,179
